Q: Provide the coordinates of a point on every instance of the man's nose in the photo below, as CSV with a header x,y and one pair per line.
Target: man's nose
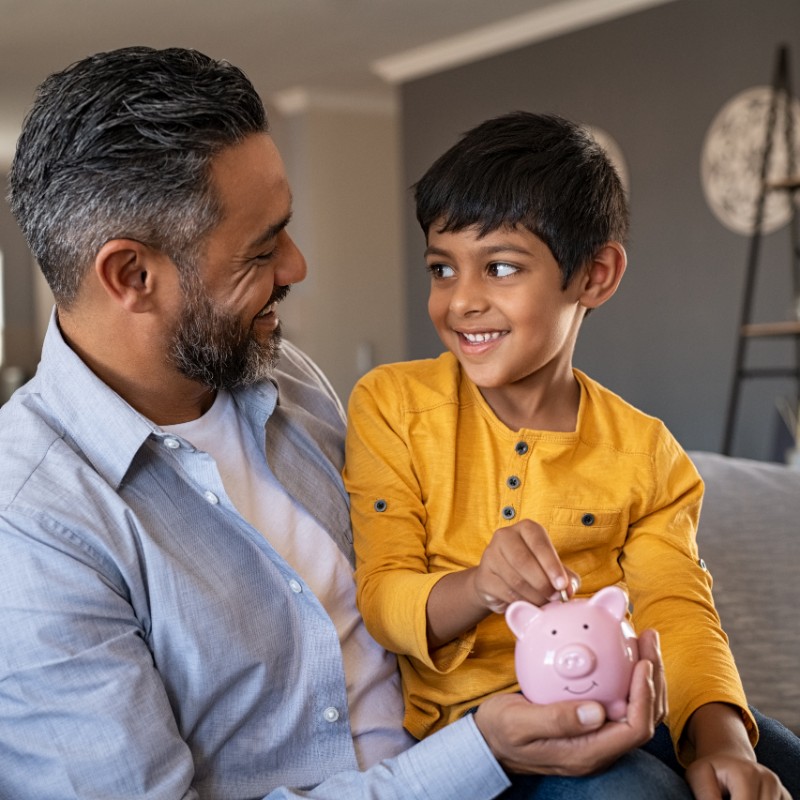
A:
x,y
291,267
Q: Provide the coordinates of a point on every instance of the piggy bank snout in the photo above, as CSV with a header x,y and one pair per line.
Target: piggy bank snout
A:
x,y
575,661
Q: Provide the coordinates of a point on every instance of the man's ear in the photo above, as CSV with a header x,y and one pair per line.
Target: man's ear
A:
x,y
128,272
603,275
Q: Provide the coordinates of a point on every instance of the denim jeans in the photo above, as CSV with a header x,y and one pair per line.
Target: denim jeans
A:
x,y
654,773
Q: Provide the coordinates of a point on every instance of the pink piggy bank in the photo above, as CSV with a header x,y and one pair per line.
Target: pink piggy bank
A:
x,y
579,649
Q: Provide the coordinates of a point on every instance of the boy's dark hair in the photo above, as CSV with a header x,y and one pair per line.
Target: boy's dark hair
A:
x,y
119,145
536,170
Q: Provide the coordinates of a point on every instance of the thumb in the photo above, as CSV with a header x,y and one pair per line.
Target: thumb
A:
x,y
590,715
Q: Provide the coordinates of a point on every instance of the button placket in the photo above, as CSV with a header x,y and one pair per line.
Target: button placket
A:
x,y
513,481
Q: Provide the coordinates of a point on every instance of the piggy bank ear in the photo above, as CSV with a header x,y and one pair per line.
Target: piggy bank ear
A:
x,y
612,599
519,615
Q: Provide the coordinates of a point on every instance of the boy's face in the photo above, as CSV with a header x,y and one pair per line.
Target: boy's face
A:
x,y
497,304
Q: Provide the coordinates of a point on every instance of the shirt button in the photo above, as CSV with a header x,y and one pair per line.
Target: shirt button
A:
x,y
587,519
702,564
330,714
173,444
211,497
521,448
295,586
513,482
508,512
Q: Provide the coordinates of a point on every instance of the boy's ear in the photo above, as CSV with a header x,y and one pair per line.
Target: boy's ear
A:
x,y
603,274
128,271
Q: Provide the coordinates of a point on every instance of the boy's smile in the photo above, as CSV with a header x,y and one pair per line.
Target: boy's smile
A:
x,y
498,305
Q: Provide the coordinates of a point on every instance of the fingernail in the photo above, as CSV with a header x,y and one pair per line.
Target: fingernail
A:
x,y
560,583
591,714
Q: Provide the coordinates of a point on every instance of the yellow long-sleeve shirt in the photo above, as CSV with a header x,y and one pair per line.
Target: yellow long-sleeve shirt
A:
x,y
432,473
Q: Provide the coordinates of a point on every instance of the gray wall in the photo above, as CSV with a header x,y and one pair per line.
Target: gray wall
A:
x,y
21,343
654,80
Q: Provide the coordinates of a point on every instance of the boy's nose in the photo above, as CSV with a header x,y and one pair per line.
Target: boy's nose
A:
x,y
467,298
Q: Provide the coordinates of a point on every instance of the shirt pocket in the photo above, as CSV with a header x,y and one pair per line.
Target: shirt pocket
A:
x,y
589,541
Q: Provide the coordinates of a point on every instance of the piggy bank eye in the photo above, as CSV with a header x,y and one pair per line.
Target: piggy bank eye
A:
x,y
554,631
585,626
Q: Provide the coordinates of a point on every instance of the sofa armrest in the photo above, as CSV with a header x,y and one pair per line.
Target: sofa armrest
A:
x,y
749,536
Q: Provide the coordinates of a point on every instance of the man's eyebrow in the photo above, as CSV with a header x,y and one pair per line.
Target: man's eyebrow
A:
x,y
272,231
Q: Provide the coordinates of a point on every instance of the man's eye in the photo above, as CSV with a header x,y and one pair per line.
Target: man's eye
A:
x,y
262,258
440,271
502,270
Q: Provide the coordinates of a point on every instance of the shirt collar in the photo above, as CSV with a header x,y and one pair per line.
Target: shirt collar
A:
x,y
104,427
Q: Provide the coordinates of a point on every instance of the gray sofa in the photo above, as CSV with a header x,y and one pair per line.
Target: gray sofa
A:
x,y
749,537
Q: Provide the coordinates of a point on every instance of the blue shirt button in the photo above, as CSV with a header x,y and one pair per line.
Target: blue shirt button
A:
x,y
521,448
508,512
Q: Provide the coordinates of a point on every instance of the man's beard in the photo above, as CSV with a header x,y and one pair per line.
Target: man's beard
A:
x,y
213,347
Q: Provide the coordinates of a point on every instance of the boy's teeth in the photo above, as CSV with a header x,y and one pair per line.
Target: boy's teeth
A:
x,y
481,337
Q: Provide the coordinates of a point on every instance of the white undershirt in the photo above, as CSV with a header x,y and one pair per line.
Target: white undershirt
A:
x,y
373,684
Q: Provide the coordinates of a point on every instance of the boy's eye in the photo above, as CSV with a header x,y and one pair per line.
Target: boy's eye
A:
x,y
501,270
440,271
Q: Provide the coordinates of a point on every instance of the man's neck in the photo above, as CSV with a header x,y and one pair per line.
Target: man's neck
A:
x,y
138,371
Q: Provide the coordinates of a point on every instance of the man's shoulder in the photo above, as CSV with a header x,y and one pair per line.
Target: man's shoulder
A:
x,y
303,385
31,440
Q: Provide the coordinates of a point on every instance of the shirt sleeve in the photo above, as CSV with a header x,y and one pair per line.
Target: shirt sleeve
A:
x,y
451,764
84,711
388,516
670,590
86,714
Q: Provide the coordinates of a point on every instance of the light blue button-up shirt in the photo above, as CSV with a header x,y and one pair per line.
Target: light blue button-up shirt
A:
x,y
153,643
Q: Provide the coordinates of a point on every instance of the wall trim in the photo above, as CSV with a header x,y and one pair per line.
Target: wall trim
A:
x,y
500,37
300,99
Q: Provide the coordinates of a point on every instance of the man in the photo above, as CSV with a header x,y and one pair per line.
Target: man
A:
x,y
176,585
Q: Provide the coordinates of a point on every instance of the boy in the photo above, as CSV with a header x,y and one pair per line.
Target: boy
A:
x,y
525,220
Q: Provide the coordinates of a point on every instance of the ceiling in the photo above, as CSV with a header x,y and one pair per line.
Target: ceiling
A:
x,y
324,46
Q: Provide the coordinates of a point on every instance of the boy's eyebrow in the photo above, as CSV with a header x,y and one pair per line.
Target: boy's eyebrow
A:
x,y
489,249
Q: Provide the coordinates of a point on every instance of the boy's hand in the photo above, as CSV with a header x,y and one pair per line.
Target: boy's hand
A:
x,y
574,738
520,563
725,764
715,777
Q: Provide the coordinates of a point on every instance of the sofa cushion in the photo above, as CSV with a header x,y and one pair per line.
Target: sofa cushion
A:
x,y
749,536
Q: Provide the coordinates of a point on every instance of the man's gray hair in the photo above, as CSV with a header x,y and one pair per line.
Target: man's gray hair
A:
x,y
119,145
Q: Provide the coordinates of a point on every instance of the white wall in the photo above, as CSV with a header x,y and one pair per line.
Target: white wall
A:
x,y
343,166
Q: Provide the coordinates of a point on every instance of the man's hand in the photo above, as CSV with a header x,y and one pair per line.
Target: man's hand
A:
x,y
574,738
520,563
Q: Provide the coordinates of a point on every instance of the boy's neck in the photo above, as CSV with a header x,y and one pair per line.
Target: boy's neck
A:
x,y
550,405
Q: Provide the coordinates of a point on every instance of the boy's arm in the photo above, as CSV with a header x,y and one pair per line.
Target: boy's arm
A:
x,y
724,758
407,609
519,563
670,590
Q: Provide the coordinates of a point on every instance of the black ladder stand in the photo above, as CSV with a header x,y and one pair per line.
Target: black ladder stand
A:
x,y
781,94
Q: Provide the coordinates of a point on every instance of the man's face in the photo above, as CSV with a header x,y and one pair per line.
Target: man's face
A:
x,y
228,331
